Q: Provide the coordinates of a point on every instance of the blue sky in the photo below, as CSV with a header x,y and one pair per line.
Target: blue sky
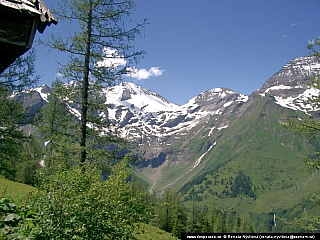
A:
x,y
196,45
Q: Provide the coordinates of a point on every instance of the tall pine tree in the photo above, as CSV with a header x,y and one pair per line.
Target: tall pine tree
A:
x,y
100,53
58,129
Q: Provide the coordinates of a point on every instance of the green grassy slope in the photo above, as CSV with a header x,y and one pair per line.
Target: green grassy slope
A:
x,y
265,151
146,232
17,192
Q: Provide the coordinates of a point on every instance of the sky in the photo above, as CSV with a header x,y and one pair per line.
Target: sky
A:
x,y
196,45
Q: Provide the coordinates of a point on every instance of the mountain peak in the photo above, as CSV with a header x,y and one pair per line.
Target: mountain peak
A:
x,y
291,84
297,72
213,97
131,86
131,95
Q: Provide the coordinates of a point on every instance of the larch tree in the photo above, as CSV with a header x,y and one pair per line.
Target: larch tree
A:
x,y
57,127
18,76
100,53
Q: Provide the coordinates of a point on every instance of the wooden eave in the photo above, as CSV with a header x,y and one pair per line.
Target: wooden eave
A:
x,y
19,21
37,7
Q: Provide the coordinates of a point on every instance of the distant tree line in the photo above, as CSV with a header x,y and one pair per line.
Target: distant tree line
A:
x,y
172,215
239,186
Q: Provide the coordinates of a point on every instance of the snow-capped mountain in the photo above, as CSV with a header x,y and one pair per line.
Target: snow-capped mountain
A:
x,y
291,85
34,98
145,116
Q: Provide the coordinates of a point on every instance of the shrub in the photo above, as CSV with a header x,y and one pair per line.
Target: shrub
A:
x,y
77,204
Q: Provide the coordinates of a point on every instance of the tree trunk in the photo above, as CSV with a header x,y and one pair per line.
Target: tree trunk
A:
x,y
85,89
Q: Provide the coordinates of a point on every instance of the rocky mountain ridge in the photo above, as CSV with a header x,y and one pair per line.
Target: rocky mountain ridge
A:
x,y
133,105
145,116
162,131
291,85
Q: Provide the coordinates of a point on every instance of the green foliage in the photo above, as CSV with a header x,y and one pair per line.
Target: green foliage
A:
x,y
314,47
77,204
57,127
32,155
170,214
146,231
20,74
242,186
15,222
308,222
11,138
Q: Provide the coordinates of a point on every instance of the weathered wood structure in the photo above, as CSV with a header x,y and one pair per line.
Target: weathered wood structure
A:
x,y
19,21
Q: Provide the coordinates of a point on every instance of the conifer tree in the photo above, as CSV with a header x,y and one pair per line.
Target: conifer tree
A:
x,y
228,222
218,223
100,52
237,224
31,161
203,223
58,129
212,216
18,76
179,217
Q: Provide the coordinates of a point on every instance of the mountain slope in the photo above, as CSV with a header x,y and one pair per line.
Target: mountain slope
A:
x,y
259,147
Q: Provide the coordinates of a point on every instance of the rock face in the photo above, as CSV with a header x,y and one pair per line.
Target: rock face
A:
x,y
34,99
291,85
295,73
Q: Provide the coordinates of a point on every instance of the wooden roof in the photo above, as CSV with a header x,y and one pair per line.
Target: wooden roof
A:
x,y
19,21
34,7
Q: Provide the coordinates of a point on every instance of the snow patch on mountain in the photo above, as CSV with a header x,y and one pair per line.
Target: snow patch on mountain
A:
x,y
290,86
302,65
224,127
43,91
280,87
242,98
201,157
137,98
300,102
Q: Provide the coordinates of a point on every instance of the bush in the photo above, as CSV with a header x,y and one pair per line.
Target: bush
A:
x,y
15,222
77,204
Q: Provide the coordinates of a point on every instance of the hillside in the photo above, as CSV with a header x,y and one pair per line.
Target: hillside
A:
x,y
146,231
17,192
